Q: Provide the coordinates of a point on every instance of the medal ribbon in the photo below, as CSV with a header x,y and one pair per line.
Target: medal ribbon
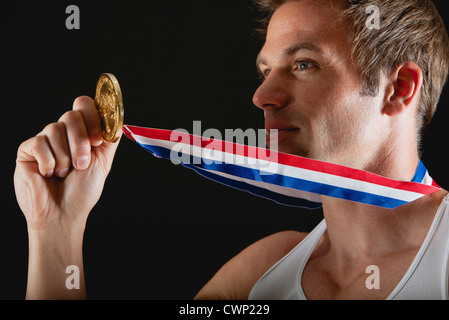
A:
x,y
289,180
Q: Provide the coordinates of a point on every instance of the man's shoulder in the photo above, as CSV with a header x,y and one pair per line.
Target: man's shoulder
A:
x,y
263,254
276,245
237,277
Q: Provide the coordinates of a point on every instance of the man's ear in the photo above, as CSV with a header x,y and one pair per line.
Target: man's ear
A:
x,y
404,87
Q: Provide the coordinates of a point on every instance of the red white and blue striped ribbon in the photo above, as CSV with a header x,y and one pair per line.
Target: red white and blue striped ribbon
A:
x,y
289,180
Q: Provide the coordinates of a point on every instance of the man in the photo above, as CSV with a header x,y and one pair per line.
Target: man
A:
x,y
337,91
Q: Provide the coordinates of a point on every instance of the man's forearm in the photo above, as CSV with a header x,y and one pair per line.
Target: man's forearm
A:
x,y
50,254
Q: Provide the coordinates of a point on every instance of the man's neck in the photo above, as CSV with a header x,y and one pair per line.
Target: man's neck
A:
x,y
362,230
395,164
356,230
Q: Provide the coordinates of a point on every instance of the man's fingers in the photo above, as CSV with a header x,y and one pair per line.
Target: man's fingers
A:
x,y
86,106
67,142
57,139
78,140
38,150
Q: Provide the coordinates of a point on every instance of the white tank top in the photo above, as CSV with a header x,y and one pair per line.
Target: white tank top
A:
x,y
426,278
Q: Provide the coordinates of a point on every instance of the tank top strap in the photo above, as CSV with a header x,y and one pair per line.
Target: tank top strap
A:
x,y
428,276
283,280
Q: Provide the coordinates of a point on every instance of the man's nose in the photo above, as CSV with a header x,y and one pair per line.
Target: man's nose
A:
x,y
272,93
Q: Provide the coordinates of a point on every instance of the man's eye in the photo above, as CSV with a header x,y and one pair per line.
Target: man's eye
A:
x,y
263,74
266,72
304,65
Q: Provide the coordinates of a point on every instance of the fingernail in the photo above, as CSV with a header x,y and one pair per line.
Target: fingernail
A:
x,y
96,142
63,173
49,174
82,162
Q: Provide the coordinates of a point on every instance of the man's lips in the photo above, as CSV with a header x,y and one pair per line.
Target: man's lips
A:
x,y
279,134
292,129
271,125
279,128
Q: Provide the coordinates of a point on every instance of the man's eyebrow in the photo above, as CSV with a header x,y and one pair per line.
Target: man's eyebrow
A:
x,y
291,50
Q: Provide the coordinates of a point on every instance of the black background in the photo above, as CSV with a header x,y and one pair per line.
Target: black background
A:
x,y
159,231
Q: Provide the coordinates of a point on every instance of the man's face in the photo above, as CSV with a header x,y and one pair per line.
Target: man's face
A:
x,y
311,91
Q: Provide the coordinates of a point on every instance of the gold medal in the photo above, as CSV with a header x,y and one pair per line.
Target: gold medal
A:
x,y
109,103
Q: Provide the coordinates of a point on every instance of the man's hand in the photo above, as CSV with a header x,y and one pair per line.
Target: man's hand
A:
x,y
60,173
59,177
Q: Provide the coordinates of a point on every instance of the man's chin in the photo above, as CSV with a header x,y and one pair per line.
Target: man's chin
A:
x,y
285,141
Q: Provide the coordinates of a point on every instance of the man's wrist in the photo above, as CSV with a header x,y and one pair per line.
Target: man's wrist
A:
x,y
57,227
55,251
